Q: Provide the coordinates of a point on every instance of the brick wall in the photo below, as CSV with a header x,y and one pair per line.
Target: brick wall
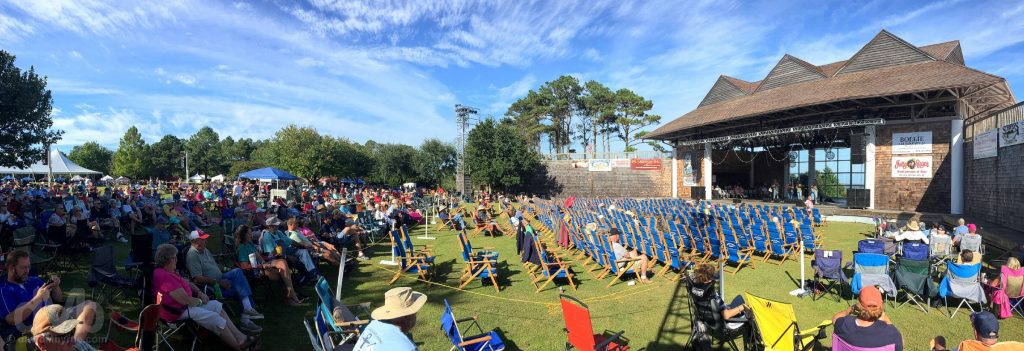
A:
x,y
994,187
620,182
913,194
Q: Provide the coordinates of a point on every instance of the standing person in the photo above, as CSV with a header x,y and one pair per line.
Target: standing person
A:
x,y
814,192
809,205
865,324
392,323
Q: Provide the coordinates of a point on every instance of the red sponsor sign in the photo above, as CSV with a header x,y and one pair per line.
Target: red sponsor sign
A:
x,y
645,164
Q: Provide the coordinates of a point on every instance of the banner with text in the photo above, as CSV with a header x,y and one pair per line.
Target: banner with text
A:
x,y
620,163
912,167
912,143
600,165
986,144
1010,134
645,164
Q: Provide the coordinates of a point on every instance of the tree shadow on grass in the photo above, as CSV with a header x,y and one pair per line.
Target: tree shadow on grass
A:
x,y
674,329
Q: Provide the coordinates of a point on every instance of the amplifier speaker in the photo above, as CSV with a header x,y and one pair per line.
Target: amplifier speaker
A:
x,y
696,192
858,198
857,148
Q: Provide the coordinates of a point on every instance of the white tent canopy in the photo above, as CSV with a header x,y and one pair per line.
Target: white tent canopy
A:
x,y
197,178
218,178
107,178
61,165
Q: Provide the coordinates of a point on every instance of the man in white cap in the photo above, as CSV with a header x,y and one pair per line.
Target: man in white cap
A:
x,y
52,329
206,272
392,322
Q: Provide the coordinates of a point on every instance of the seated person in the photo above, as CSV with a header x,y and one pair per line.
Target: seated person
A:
x,y
971,240
961,229
316,248
52,330
160,233
968,257
392,324
274,244
491,226
180,300
346,233
986,335
913,233
206,272
937,344
276,269
865,324
704,277
23,296
622,253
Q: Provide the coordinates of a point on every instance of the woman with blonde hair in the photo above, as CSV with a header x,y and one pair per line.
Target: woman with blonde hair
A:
x,y
1009,288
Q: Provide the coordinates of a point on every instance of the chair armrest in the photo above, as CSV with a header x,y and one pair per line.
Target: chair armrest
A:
x,y
626,260
467,319
604,344
562,263
475,341
484,261
48,245
351,323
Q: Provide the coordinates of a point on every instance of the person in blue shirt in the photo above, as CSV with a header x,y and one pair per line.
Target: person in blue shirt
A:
x,y
160,233
21,295
960,229
392,323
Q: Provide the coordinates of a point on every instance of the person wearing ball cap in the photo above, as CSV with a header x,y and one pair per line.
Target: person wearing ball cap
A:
x,y
865,324
392,322
986,335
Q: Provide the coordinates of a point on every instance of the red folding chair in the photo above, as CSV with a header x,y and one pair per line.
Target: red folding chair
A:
x,y
581,331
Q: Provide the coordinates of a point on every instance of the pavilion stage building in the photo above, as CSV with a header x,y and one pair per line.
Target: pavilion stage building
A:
x,y
894,127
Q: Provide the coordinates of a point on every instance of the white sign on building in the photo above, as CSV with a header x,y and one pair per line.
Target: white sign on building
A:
x,y
986,144
912,143
911,166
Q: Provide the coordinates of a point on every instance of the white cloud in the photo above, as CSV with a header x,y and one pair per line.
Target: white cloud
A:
x,y
186,79
508,94
74,54
160,71
97,16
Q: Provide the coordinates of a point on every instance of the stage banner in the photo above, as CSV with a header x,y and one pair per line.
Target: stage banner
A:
x,y
688,179
1010,134
620,163
986,144
645,164
912,143
912,167
600,165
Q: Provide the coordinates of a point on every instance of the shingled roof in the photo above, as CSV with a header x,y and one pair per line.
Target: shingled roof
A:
x,y
886,66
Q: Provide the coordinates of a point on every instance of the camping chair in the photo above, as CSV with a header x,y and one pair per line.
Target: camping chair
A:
x,y
107,283
1009,297
973,243
913,279
25,239
707,319
915,250
481,264
872,246
775,327
548,270
939,247
410,262
580,331
961,282
167,329
838,344
828,266
332,332
871,269
489,341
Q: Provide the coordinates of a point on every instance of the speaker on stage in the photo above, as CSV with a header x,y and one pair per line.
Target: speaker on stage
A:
x,y
857,148
696,192
736,201
858,198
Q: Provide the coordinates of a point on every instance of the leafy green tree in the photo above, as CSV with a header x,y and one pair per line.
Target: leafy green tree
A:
x,y
132,157
528,114
631,116
828,182
167,158
93,156
435,161
562,96
303,152
597,105
393,164
498,157
204,153
25,106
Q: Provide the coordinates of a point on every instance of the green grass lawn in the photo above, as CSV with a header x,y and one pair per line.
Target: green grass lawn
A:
x,y
654,316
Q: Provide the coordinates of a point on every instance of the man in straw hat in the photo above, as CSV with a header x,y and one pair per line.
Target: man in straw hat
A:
x,y
913,233
392,322
865,324
52,329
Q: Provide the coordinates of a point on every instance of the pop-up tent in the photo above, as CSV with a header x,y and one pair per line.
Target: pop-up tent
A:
x,y
197,178
61,165
268,173
107,178
218,178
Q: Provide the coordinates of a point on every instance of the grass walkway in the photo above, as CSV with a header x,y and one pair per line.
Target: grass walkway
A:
x,y
654,316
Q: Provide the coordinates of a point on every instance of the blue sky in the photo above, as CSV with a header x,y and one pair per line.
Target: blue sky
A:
x,y
392,71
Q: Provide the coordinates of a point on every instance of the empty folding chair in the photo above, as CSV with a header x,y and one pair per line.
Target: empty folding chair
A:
x,y
828,273
961,282
106,281
775,326
580,331
871,269
489,341
482,264
913,279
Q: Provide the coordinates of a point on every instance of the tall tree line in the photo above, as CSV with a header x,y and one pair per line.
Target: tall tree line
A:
x,y
569,113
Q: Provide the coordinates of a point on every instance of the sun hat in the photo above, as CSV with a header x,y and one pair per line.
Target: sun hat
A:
x,y
197,234
273,221
870,296
913,226
51,319
399,302
985,325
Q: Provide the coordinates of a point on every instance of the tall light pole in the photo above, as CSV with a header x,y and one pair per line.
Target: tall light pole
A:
x,y
463,117
185,161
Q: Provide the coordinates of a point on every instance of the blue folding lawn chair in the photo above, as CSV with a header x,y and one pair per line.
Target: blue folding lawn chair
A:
x,y
915,250
828,273
872,269
871,246
961,282
489,341
324,330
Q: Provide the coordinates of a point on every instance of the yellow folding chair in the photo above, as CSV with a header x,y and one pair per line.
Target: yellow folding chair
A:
x,y
775,327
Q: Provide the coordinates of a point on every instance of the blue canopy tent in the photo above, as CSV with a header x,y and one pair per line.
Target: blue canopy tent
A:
x,y
27,179
8,177
268,173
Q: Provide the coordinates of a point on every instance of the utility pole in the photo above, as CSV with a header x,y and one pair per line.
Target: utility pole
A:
x,y
186,166
49,165
464,115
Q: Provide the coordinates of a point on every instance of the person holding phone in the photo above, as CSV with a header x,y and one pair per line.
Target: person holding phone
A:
x,y
22,295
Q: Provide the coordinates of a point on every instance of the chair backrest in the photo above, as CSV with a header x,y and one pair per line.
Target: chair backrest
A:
x,y
939,245
1012,281
775,321
872,246
828,264
706,306
577,323
970,242
963,272
838,344
915,250
449,326
869,263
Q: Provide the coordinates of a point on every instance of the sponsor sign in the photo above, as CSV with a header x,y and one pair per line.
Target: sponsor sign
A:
x,y
645,164
599,165
912,167
688,178
620,162
912,143
986,144
1010,134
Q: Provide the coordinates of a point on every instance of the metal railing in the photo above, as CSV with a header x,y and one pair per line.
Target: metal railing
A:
x,y
982,123
605,155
